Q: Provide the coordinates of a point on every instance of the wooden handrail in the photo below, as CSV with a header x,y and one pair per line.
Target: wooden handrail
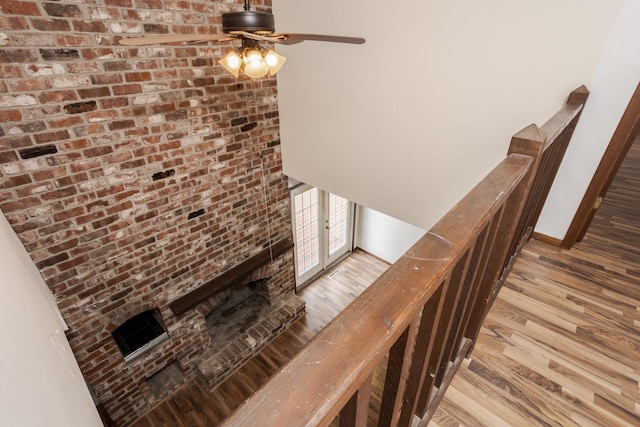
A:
x,y
547,145
422,315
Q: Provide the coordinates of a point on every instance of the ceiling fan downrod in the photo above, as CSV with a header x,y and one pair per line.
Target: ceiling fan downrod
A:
x,y
246,5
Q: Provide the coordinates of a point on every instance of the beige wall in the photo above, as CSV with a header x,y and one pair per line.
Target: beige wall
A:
x,y
407,123
384,236
41,382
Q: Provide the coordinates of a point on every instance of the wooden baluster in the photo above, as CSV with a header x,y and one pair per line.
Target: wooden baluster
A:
x,y
506,224
355,412
443,330
548,146
395,382
421,355
486,235
464,283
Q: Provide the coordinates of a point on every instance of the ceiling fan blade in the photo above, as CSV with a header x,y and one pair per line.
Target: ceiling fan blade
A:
x,y
172,38
293,38
259,37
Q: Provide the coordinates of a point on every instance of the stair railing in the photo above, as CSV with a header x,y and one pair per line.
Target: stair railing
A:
x,y
420,319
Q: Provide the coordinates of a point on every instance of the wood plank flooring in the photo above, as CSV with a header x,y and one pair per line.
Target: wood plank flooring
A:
x,y
325,298
561,345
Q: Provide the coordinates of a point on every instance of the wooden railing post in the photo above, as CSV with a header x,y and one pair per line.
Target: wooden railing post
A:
x,y
548,146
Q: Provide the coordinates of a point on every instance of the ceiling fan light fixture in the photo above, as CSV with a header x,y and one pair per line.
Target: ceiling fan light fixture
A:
x,y
255,65
254,61
274,61
232,62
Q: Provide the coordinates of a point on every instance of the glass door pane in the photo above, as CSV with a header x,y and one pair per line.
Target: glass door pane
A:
x,y
338,226
306,226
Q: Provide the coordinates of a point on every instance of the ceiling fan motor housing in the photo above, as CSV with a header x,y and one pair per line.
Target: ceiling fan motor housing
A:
x,y
249,21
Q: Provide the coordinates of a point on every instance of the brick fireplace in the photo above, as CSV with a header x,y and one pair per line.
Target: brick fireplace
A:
x,y
137,176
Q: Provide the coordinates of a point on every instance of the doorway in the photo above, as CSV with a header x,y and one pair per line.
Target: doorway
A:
x,y
322,230
619,146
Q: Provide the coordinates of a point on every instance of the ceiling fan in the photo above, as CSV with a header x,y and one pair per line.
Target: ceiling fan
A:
x,y
251,28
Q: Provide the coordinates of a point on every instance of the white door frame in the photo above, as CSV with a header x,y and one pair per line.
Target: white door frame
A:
x,y
322,227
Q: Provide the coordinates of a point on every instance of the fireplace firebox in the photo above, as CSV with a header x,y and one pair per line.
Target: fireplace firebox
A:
x,y
139,334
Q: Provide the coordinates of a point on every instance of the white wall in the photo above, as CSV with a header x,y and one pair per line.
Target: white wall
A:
x,y
409,122
41,382
383,236
616,78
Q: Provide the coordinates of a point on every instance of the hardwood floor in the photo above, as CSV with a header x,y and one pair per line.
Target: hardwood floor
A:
x,y
325,298
561,345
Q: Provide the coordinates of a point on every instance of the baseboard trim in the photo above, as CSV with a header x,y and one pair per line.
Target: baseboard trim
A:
x,y
547,239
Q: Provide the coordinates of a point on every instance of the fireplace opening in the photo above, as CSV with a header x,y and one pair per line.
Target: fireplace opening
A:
x,y
139,334
241,310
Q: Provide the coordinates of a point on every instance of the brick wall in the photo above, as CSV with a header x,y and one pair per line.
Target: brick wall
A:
x,y
132,175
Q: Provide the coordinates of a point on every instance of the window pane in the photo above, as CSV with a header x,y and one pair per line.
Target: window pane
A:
x,y
338,226
306,214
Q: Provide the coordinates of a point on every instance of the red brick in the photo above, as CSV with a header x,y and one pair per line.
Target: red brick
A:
x,y
60,247
101,116
114,102
76,144
13,22
127,89
50,24
89,26
18,55
68,214
59,193
15,181
94,92
63,266
18,205
97,151
10,116
49,174
32,190
106,79
90,217
77,41
122,124
58,96
52,136
28,85
88,130
8,156
119,3
138,77
19,8
104,222
66,123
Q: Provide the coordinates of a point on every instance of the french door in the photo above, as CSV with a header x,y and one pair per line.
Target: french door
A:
x,y
322,230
